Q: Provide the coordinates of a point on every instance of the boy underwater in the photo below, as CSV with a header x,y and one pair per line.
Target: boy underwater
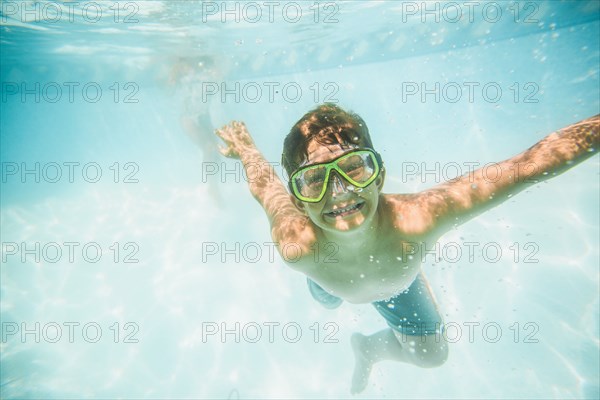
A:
x,y
336,179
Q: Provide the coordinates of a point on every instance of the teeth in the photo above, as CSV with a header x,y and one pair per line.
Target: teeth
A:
x,y
343,210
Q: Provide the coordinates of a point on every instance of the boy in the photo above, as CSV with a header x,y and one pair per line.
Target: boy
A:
x,y
336,178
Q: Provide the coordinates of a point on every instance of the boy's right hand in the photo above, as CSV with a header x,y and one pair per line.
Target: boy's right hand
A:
x,y
237,139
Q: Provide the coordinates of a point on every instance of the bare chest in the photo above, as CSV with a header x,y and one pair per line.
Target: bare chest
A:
x,y
364,276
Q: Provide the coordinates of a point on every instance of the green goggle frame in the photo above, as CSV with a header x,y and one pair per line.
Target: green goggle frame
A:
x,y
338,164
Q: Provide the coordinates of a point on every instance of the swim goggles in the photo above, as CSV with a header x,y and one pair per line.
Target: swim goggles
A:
x,y
359,167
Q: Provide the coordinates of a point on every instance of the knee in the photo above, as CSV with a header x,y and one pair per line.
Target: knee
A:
x,y
433,354
439,354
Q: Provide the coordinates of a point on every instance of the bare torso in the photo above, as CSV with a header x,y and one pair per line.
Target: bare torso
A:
x,y
377,271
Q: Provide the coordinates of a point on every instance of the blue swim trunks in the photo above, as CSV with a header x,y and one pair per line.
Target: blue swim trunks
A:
x,y
412,312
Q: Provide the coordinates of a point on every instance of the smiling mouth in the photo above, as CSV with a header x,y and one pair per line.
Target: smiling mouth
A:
x,y
342,212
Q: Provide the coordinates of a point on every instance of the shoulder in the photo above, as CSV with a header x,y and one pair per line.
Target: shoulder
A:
x,y
413,214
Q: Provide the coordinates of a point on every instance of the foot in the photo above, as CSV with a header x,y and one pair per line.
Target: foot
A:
x,y
362,367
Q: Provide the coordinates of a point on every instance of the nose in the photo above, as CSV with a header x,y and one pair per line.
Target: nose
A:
x,y
337,184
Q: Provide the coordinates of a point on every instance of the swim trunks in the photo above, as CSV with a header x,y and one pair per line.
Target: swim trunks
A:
x,y
412,312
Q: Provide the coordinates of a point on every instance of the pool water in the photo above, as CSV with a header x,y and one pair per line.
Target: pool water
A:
x,y
154,276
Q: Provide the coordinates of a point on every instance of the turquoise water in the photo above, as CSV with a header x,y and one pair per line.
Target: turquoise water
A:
x,y
156,299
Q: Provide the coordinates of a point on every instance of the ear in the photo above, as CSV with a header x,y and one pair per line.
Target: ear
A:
x,y
299,204
380,179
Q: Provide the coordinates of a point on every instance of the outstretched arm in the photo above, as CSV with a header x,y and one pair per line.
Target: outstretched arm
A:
x,y
459,200
288,224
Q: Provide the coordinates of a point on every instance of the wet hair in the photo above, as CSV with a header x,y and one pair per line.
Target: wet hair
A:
x,y
327,124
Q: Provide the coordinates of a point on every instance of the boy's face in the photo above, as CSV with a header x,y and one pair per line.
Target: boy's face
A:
x,y
361,204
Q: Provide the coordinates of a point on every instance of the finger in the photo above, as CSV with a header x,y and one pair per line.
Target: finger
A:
x,y
224,128
222,133
226,151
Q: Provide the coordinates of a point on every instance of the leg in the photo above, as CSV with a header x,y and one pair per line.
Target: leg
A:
x,y
415,335
426,351
199,128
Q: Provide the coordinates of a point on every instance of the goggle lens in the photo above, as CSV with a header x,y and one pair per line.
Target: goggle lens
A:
x,y
359,168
